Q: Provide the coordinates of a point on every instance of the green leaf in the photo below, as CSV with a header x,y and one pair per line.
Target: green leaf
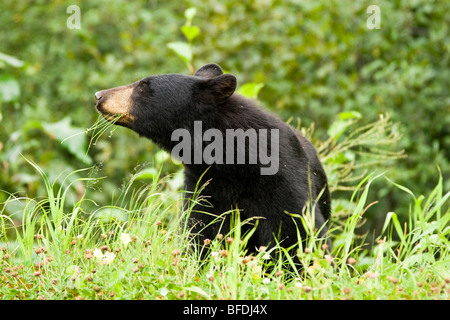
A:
x,y
161,156
337,128
72,138
350,115
387,221
109,214
398,227
251,89
177,181
190,13
199,291
338,158
147,173
182,50
190,32
12,61
346,119
9,88
118,289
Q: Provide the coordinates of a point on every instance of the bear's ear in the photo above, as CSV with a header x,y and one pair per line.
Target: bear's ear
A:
x,y
211,70
216,89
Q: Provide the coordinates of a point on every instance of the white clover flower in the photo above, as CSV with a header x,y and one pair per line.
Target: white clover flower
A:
x,y
266,256
266,281
125,238
108,257
98,254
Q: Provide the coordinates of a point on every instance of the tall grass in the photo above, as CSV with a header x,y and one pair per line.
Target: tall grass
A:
x,y
139,249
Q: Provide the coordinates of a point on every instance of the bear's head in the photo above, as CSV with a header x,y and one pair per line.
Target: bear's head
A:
x,y
157,105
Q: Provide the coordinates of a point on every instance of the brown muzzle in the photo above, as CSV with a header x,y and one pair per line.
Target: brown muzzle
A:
x,y
116,103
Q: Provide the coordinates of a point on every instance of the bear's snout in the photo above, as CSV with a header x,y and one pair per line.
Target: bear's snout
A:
x,y
115,104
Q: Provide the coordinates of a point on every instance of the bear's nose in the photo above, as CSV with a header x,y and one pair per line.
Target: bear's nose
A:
x,y
98,95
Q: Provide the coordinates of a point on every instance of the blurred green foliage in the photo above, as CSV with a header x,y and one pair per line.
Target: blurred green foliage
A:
x,y
310,59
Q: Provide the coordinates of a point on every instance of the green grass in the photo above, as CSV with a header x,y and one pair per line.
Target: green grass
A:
x,y
136,249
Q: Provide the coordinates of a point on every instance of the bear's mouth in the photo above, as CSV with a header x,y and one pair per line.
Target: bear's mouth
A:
x,y
122,119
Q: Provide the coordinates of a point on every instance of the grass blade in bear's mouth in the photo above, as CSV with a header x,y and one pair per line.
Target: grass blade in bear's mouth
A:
x,y
101,126
112,118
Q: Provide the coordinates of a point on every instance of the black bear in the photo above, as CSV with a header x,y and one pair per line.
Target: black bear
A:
x,y
252,161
